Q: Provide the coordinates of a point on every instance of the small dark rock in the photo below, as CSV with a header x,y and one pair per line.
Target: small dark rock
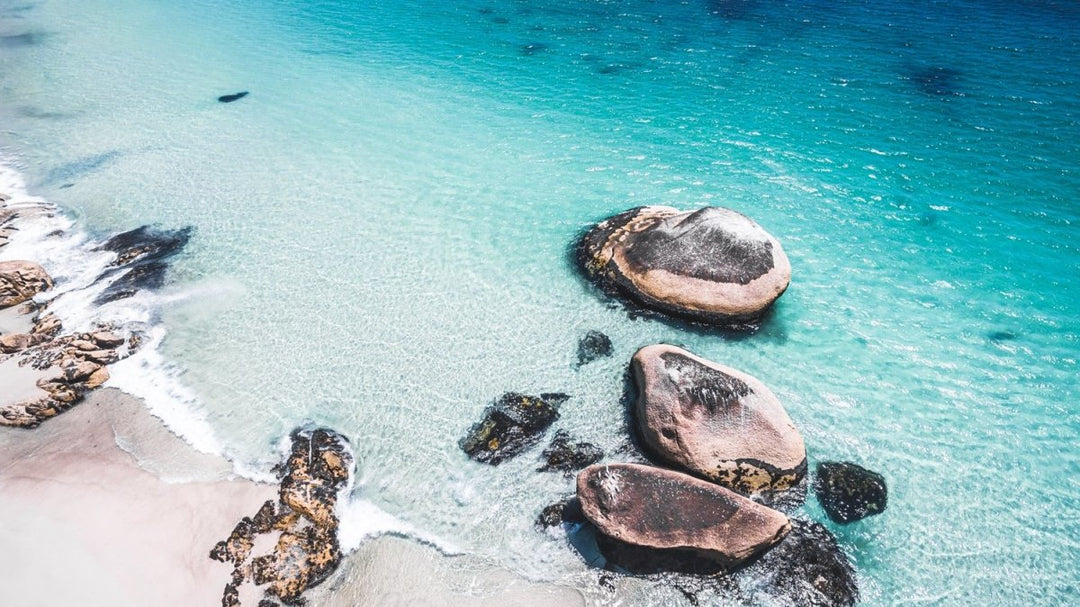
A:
x,y
849,492
593,346
554,398
147,276
567,456
510,425
566,511
145,243
232,97
1000,336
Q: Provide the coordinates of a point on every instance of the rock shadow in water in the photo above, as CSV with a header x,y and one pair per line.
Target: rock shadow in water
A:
x,y
934,81
77,168
25,40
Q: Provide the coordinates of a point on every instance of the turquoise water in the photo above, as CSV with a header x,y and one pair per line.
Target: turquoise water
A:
x,y
382,229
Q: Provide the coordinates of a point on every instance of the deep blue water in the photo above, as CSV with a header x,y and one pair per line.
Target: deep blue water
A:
x,y
382,230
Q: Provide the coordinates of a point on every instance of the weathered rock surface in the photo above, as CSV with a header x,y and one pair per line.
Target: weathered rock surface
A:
x,y
565,511
511,425
715,422
711,265
307,549
20,281
807,568
569,456
669,511
592,346
72,365
848,492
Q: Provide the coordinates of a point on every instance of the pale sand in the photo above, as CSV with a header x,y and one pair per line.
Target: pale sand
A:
x,y
19,383
16,320
82,524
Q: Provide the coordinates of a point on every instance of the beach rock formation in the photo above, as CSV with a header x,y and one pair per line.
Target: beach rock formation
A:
x,y
20,281
69,366
306,551
715,422
511,425
568,456
806,568
848,492
592,346
712,265
674,513
565,511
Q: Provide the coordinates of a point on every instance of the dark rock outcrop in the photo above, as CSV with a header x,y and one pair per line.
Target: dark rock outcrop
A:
x,y
848,492
566,511
712,265
20,281
569,456
511,425
592,346
715,422
667,511
807,568
307,549
140,260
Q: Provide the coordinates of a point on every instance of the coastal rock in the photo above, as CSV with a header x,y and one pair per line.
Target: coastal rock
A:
x,y
307,549
592,346
21,281
807,568
669,511
16,342
712,265
140,260
565,511
569,456
232,97
510,425
848,492
715,422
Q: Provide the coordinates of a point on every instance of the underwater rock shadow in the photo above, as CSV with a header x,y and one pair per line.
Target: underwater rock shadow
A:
x,y
934,81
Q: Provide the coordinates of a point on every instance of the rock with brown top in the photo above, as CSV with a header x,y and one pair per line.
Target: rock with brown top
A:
x,y
666,510
20,281
712,265
307,550
715,422
511,425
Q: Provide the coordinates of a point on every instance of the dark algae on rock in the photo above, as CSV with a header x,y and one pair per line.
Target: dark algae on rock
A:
x,y
511,425
303,519
592,346
848,492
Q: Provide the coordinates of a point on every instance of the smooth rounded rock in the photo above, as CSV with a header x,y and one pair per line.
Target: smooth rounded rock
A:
x,y
667,510
715,422
712,265
848,492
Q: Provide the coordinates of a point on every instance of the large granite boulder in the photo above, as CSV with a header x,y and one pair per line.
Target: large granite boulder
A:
x,y
511,425
711,265
304,519
848,492
715,422
669,511
20,281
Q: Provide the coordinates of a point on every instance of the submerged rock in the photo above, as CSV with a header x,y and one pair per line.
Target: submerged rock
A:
x,y
715,422
806,568
593,346
566,511
307,549
232,97
20,281
510,425
711,265
848,492
567,456
677,514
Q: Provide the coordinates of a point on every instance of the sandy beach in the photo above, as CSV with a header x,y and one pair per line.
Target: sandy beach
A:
x,y
83,524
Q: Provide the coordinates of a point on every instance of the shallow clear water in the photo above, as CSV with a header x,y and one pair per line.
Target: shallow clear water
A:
x,y
383,228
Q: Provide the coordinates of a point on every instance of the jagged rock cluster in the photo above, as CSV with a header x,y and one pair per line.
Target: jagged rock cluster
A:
x,y
304,522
